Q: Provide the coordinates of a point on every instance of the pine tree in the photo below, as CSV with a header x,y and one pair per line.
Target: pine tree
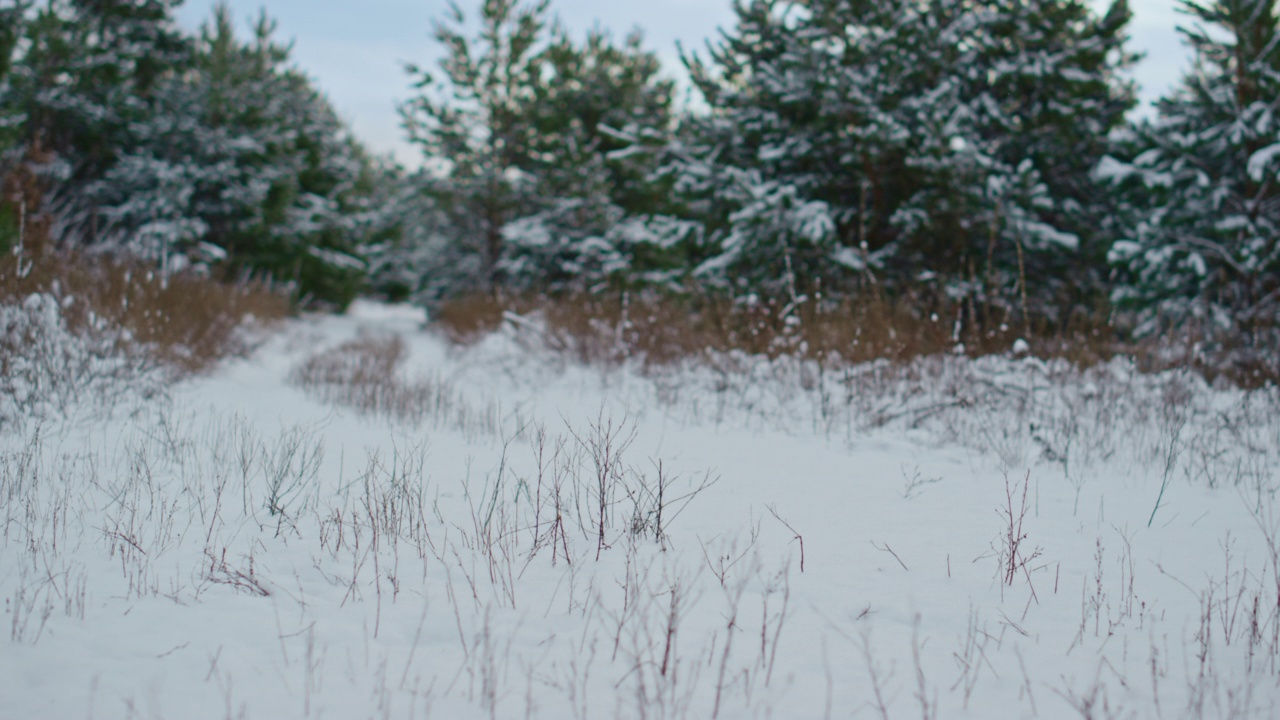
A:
x,y
241,160
1053,92
12,209
1203,175
88,72
592,164
761,171
538,149
478,128
77,73
405,262
854,142
180,150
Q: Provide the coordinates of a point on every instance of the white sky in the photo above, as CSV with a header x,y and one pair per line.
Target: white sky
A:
x,y
356,54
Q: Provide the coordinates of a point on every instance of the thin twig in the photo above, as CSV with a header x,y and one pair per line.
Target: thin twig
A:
x,y
773,511
889,550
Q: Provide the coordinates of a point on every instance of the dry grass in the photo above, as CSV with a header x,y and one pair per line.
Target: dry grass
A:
x,y
467,320
77,326
658,330
185,322
365,374
87,332
664,329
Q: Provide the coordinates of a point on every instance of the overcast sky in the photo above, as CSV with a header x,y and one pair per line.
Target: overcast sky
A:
x,y
356,52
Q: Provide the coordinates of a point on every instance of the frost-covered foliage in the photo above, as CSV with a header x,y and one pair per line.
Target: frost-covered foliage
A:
x,y
538,148
48,368
473,132
1202,245
193,150
601,116
899,141
417,262
243,158
12,22
85,71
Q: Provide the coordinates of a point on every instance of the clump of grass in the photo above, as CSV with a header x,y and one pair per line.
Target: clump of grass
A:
x,y
1248,357
469,319
364,374
362,367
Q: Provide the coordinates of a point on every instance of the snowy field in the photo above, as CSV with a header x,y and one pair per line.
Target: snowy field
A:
x,y
362,521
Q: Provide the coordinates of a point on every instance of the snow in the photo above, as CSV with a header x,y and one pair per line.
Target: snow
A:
x,y
849,257
836,542
1043,234
1122,251
1111,170
1261,160
626,152
336,259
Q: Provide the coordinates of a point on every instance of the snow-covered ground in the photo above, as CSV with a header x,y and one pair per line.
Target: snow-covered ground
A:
x,y
499,534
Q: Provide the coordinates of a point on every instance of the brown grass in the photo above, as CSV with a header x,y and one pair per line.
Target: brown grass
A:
x,y
367,362
469,319
186,323
659,329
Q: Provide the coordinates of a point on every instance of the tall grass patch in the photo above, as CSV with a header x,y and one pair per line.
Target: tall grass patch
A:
x,y
182,321
662,329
